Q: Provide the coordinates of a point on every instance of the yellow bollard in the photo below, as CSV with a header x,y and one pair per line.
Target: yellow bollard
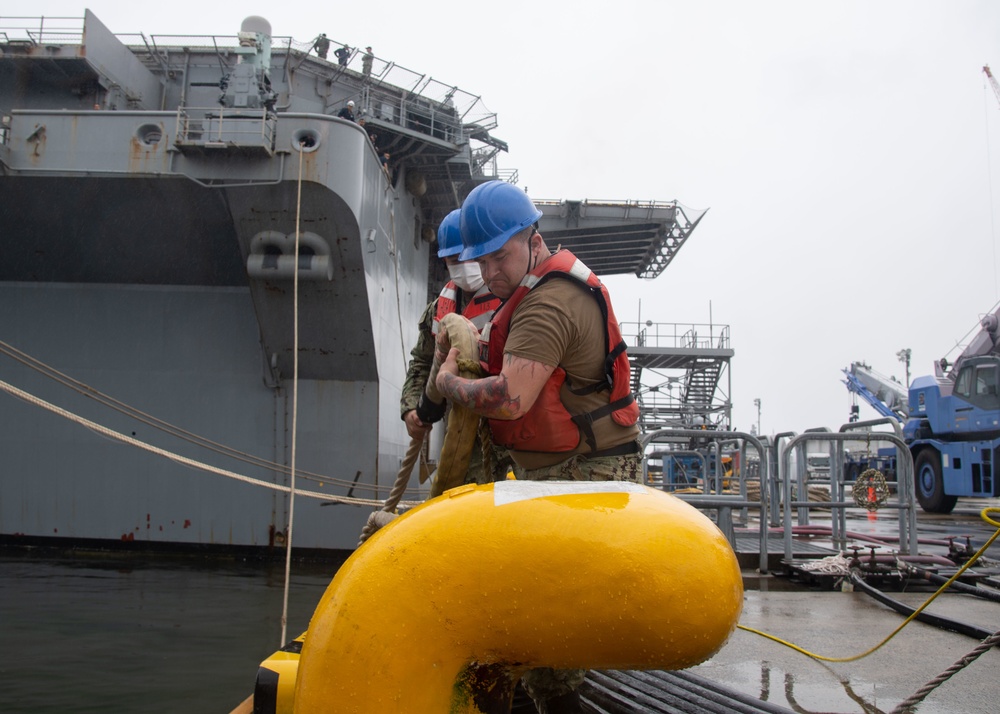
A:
x,y
455,599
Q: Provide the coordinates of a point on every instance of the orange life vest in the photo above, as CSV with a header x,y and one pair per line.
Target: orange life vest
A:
x,y
548,426
479,310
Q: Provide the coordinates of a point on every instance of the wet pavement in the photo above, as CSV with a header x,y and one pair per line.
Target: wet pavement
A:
x,y
828,621
844,624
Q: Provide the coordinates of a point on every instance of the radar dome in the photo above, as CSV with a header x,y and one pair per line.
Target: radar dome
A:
x,y
257,24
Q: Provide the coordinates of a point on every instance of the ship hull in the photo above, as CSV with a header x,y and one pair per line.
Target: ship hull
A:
x,y
191,357
163,283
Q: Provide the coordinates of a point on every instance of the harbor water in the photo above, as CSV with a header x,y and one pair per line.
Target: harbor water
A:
x,y
100,633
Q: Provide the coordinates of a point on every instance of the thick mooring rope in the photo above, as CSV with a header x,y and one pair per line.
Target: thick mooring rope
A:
x,y
183,460
906,706
142,417
295,401
388,511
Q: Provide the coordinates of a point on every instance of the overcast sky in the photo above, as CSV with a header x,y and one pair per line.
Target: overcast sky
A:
x,y
849,153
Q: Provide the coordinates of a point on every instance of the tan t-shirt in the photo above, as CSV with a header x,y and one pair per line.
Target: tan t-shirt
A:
x,y
560,324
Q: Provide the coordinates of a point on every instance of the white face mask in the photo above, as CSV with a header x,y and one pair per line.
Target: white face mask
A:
x,y
466,275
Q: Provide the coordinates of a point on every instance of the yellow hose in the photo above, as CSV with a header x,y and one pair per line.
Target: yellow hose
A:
x,y
443,609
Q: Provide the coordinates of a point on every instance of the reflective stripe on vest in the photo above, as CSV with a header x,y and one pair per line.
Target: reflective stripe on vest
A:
x,y
478,311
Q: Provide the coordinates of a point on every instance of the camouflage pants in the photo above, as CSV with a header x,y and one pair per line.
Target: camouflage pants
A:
x,y
627,467
489,463
545,683
477,469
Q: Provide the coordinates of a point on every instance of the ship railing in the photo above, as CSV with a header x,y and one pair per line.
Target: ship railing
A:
x,y
388,90
217,127
484,166
628,209
386,82
484,161
658,411
674,335
466,108
658,402
41,30
412,112
508,175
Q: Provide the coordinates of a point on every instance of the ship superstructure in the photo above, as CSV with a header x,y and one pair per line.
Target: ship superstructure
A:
x,y
152,192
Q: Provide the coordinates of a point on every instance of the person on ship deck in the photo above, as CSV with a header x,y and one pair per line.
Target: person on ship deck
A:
x,y
347,112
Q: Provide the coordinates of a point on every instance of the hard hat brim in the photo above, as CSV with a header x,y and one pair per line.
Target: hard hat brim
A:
x,y
494,244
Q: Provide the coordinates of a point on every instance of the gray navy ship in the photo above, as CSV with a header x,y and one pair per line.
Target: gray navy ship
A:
x,y
210,282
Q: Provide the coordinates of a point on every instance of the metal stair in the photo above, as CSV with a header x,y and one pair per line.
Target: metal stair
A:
x,y
700,382
691,359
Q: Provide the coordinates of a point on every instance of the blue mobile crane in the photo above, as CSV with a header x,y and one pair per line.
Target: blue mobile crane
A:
x,y
954,427
951,419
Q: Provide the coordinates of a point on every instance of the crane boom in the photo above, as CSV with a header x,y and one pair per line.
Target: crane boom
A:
x,y
984,342
885,395
993,81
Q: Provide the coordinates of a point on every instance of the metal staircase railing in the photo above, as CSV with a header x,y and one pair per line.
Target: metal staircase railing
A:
x,y
700,382
693,358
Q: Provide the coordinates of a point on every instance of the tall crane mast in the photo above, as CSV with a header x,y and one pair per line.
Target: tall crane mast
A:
x,y
993,81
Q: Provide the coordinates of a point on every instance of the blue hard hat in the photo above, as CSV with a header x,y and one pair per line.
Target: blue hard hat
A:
x,y
449,236
492,214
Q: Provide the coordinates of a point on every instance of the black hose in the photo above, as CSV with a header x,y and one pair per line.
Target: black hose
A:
x,y
944,623
992,595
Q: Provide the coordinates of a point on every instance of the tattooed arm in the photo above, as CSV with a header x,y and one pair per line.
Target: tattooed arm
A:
x,y
509,395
